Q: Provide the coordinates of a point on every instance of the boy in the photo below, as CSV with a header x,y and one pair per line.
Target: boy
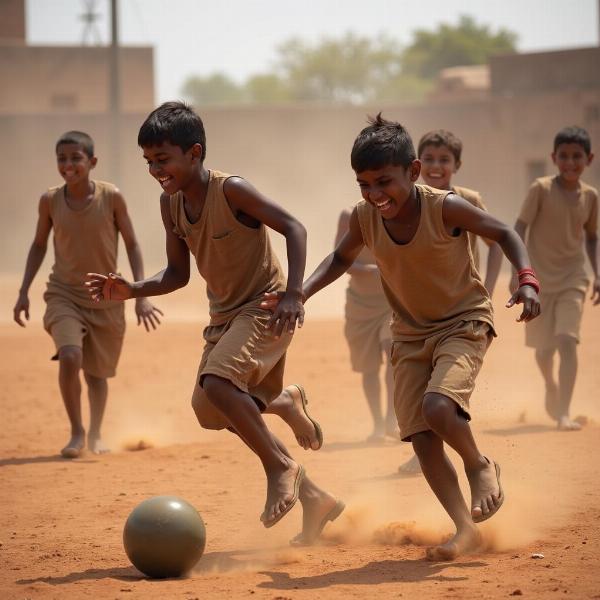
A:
x,y
222,221
442,315
86,216
557,214
440,154
367,331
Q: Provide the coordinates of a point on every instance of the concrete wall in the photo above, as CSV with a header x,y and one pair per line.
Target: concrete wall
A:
x,y
72,79
12,20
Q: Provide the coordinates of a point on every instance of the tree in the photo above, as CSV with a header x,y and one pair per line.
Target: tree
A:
x,y
450,46
217,88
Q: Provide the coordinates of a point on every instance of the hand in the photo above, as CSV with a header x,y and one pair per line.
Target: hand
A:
x,y
595,292
108,287
22,305
531,303
287,309
147,313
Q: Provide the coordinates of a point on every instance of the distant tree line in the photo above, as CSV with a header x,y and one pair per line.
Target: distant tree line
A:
x,y
355,69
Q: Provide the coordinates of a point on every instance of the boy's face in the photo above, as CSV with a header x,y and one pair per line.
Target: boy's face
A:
x,y
74,165
571,160
438,167
388,188
171,166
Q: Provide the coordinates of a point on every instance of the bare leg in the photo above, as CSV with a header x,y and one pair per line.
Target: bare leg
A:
x,y
372,390
545,361
567,373
391,422
69,360
283,473
97,394
290,408
442,479
441,414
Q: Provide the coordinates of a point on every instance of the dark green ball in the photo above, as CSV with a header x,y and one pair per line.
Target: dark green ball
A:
x,y
164,536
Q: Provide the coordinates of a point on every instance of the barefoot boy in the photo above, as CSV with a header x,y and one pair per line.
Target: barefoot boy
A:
x,y
442,315
222,220
558,213
86,216
440,154
367,331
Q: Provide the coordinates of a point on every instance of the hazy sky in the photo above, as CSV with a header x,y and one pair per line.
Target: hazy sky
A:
x,y
239,37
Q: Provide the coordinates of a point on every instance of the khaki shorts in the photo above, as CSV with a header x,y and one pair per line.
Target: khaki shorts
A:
x,y
446,363
561,315
98,332
367,331
245,353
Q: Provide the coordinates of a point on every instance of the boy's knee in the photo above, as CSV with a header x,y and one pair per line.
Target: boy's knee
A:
x,y
205,411
421,443
436,409
212,386
70,356
566,344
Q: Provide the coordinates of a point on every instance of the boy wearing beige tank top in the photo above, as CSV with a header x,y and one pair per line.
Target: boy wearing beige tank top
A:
x,y
558,215
440,153
86,217
367,316
222,221
442,315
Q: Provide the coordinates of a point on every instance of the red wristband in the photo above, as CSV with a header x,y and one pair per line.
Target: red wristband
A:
x,y
526,271
531,281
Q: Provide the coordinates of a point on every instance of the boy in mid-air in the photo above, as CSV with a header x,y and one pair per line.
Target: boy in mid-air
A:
x,y
558,213
440,154
86,216
442,315
367,330
222,220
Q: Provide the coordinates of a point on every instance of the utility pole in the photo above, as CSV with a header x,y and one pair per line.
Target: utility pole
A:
x,y
114,105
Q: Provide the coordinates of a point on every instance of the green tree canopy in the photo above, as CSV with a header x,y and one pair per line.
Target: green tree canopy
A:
x,y
356,69
449,46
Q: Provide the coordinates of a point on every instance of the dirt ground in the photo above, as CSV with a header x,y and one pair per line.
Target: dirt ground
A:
x,y
61,521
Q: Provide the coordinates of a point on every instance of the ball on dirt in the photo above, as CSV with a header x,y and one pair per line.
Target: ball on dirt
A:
x,y
164,536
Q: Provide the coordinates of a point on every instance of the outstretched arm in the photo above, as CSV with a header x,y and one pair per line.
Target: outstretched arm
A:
x,y
339,261
35,258
460,214
357,267
176,275
244,199
145,311
492,270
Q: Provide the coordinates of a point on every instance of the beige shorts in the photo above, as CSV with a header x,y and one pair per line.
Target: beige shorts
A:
x,y
446,363
367,331
561,315
245,353
99,332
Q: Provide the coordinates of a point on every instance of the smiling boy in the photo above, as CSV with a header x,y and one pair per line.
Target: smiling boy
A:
x,y
559,212
442,321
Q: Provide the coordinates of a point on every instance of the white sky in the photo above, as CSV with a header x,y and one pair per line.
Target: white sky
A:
x,y
239,37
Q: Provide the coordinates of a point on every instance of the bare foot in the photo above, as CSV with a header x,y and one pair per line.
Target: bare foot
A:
x,y
283,488
74,446
96,445
291,407
378,434
551,400
465,541
486,493
391,429
318,508
410,467
565,424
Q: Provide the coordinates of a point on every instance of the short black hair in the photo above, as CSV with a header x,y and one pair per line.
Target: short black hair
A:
x,y
439,138
176,123
77,137
380,144
574,135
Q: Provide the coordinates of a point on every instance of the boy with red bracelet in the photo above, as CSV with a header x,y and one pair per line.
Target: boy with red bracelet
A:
x,y
557,214
442,321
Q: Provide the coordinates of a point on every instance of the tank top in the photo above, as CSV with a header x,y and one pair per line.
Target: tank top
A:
x,y
236,261
85,241
431,282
